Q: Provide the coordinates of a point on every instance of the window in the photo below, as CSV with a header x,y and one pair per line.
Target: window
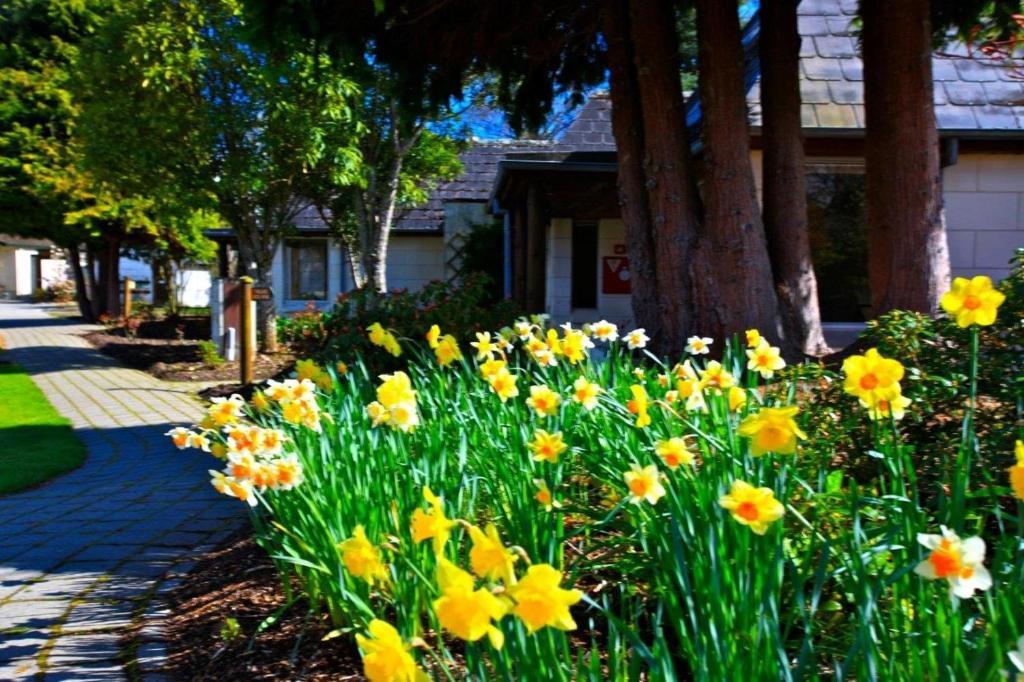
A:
x,y
307,270
837,227
584,265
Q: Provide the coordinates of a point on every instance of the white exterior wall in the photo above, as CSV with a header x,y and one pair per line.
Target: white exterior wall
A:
x,y
612,307
984,196
413,261
23,274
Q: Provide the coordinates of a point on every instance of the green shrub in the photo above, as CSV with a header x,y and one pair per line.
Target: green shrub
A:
x,y
209,354
340,334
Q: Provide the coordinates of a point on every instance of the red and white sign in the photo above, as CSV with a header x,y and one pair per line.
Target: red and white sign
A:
x,y
615,275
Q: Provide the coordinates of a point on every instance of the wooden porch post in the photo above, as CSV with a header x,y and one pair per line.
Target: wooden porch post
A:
x,y
536,251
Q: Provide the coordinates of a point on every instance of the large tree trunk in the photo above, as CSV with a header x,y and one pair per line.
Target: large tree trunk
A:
x,y
785,182
81,285
110,276
160,269
627,125
732,273
671,192
908,258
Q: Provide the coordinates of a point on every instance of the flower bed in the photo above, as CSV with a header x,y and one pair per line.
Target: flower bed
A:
x,y
556,504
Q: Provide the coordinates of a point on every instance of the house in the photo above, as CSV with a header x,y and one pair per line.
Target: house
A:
x,y
564,249
27,265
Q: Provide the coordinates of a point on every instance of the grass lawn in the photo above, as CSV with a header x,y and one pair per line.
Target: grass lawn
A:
x,y
36,443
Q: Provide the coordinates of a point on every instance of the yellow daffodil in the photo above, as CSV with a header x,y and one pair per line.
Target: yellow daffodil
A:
x,y
341,368
575,345
671,396
491,367
546,447
750,506
433,334
485,347
699,345
585,392
307,369
957,561
772,429
465,612
737,398
1017,471
544,496
540,602
716,377
644,484
395,388
383,338
503,383
753,338
433,524
605,331
523,329
883,409
543,401
872,377
636,339
639,373
259,402
386,657
447,350
219,450
674,452
553,343
489,558
972,301
639,405
362,558
765,360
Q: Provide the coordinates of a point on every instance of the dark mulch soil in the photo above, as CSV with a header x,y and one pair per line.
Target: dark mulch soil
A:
x,y
239,581
180,360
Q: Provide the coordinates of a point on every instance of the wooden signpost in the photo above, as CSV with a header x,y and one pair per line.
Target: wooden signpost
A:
x,y
248,351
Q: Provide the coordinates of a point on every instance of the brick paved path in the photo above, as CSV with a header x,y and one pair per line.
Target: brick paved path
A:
x,y
85,558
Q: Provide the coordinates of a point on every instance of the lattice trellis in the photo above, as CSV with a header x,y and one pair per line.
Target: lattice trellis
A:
x,y
455,252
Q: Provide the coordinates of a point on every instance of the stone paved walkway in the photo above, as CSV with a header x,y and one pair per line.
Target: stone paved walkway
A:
x,y
85,558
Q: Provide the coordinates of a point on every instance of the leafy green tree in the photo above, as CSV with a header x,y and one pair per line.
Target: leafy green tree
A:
x,y
216,120
400,160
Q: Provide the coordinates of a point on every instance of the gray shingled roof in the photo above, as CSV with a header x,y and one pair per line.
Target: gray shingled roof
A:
x,y
970,95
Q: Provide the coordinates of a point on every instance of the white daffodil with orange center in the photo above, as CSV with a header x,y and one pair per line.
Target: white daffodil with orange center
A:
x,y
959,562
699,345
605,331
636,339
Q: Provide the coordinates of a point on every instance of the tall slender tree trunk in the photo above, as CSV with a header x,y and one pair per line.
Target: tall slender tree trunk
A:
x,y
92,282
627,126
732,273
785,182
110,276
908,257
81,285
671,192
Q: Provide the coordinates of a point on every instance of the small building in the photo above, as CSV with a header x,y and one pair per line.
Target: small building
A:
x,y
28,265
564,248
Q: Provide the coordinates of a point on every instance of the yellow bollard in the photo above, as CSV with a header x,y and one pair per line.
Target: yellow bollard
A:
x,y
129,287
